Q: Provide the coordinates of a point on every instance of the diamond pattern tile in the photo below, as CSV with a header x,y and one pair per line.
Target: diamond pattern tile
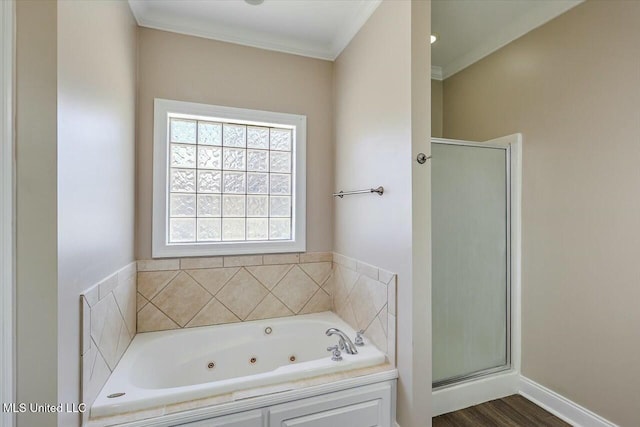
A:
x,y
182,299
318,271
295,289
319,302
213,279
214,313
269,275
367,299
152,282
242,294
269,308
151,319
274,286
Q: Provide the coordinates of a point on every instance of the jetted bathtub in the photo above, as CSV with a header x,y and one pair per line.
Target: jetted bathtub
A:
x,y
162,368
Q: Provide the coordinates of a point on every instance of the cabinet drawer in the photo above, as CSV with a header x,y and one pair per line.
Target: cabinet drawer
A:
x,y
243,419
368,406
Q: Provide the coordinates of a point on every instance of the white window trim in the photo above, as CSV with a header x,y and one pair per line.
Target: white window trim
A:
x,y
160,247
7,287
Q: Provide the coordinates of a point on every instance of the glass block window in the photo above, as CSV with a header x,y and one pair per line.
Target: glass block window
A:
x,y
228,180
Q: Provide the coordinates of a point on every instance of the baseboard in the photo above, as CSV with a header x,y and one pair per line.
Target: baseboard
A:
x,y
474,392
560,406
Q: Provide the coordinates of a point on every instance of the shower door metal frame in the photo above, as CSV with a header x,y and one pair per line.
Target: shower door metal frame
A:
x,y
508,366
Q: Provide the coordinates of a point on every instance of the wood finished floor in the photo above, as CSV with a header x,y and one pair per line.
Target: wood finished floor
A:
x,y
511,411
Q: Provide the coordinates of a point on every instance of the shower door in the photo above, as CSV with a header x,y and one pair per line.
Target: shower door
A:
x,y
471,259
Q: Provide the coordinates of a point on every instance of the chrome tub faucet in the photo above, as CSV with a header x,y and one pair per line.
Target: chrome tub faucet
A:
x,y
345,342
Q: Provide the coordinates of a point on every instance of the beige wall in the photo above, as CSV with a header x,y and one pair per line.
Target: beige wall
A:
x,y
36,214
185,68
373,106
436,108
572,87
96,147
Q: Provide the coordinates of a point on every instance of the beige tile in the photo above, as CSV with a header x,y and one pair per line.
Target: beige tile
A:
x,y
392,291
106,327
375,333
316,257
269,275
346,313
242,294
318,271
86,326
344,261
151,319
98,372
193,263
241,261
99,314
140,301
127,272
329,285
348,277
182,298
152,282
391,339
383,318
92,295
281,259
213,279
339,302
367,299
385,276
295,289
321,301
214,313
158,264
269,308
107,285
124,339
367,269
125,295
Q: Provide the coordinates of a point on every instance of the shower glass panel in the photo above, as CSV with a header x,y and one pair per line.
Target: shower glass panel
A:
x,y
470,232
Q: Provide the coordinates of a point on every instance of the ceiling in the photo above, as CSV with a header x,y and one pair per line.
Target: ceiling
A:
x,y
469,30
315,28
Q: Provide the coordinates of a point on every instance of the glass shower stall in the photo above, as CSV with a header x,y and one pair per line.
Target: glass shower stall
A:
x,y
471,244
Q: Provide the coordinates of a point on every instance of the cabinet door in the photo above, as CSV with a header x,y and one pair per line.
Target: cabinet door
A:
x,y
243,419
368,406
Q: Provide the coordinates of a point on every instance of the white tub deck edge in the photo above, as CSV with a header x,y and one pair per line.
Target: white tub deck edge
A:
x,y
250,399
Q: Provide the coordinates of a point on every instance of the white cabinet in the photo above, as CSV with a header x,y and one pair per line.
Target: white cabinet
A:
x,y
359,407
243,419
364,406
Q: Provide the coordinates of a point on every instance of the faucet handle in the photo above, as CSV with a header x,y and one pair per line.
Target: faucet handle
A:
x,y
336,356
359,341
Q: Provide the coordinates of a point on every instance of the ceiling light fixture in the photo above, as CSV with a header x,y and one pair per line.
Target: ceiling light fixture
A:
x,y
434,37
254,2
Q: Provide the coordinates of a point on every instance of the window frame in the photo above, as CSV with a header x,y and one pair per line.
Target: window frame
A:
x,y
161,248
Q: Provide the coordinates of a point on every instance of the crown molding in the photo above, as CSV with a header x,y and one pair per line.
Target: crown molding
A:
x,y
436,72
351,28
263,40
516,29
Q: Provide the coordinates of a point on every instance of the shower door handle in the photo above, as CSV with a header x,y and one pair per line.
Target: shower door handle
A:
x,y
422,158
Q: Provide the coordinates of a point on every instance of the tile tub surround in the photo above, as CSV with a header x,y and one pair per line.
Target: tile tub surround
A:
x,y
364,296
189,292
108,326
